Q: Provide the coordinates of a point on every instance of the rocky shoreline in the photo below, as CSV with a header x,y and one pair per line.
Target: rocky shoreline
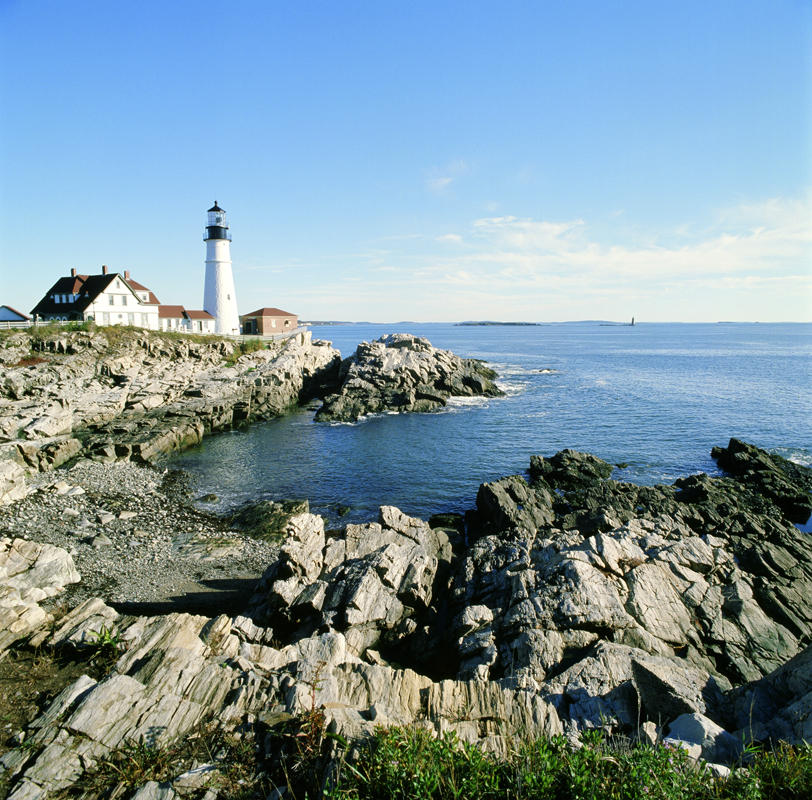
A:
x,y
137,539
110,395
564,602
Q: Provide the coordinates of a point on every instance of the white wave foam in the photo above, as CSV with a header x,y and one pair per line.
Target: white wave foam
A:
x,y
467,402
801,457
511,388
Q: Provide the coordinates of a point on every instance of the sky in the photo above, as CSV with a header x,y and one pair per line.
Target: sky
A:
x,y
427,161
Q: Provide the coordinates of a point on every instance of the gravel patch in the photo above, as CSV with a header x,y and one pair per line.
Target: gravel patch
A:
x,y
137,540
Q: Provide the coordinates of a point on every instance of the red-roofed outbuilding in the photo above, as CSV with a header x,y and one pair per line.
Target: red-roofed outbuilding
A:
x,y
268,321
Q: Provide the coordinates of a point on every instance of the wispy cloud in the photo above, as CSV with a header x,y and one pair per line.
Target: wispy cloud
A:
x,y
751,261
766,239
440,179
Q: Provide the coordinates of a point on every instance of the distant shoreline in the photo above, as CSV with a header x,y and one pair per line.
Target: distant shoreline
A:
x,y
488,323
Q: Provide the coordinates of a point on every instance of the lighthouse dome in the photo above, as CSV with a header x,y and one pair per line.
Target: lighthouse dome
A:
x,y
215,207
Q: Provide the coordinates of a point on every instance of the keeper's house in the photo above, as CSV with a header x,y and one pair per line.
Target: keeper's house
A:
x,y
114,298
110,299
268,321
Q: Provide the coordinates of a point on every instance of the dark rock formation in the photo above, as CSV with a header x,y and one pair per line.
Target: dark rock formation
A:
x,y
401,372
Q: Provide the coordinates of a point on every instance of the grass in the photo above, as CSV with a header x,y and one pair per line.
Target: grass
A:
x,y
117,335
238,772
411,763
243,347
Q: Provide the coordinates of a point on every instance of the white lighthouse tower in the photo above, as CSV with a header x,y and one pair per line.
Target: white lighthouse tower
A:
x,y
219,298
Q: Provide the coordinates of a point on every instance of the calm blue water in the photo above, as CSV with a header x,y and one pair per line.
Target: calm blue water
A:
x,y
656,396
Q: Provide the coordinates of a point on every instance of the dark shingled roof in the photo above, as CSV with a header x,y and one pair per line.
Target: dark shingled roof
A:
x,y
268,312
88,287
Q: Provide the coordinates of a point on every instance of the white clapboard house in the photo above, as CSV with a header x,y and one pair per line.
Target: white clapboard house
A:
x,y
114,298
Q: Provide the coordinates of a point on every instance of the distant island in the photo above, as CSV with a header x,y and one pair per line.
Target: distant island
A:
x,y
489,322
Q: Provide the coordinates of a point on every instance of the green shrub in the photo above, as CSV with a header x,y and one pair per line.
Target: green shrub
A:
x,y
243,347
411,763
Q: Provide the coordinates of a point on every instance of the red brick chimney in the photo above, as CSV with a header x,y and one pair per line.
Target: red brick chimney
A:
x,y
73,272
126,274
104,269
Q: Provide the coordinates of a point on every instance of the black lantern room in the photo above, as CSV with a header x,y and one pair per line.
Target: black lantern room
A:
x,y
216,226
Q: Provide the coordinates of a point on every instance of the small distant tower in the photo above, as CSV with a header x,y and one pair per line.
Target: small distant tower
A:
x,y
219,297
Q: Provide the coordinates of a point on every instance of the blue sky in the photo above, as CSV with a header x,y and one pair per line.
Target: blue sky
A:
x,y
425,160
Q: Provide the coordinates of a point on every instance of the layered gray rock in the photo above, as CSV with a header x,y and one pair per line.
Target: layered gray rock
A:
x,y
369,582
400,372
30,572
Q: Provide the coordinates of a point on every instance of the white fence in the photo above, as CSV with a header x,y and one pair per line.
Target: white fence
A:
x,y
26,323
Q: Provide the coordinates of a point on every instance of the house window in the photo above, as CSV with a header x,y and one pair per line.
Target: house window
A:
x,y
273,323
56,298
130,319
111,298
124,299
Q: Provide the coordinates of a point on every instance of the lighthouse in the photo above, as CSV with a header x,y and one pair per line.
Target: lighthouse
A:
x,y
219,298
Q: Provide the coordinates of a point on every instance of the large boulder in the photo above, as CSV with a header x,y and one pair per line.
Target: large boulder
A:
x,y
401,372
368,582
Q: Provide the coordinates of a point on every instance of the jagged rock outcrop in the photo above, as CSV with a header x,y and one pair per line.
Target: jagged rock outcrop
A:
x,y
374,583
144,395
401,372
710,575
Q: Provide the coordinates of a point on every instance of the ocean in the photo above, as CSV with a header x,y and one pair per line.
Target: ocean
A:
x,y
653,398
